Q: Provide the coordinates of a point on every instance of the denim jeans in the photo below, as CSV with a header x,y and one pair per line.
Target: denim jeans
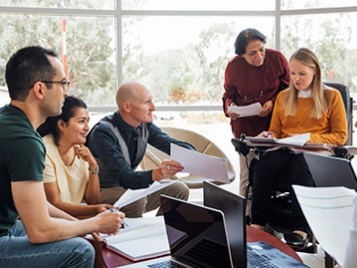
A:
x,y
17,251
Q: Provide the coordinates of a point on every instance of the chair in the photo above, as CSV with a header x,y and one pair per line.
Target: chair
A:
x,y
280,209
153,156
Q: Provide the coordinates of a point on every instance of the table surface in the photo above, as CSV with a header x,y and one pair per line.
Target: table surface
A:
x,y
110,259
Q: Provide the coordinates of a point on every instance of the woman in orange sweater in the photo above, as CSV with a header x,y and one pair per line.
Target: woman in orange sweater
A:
x,y
307,106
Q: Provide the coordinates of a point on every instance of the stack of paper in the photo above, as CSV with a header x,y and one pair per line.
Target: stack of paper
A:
x,y
297,140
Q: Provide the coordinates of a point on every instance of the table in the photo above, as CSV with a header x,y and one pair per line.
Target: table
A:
x,y
109,259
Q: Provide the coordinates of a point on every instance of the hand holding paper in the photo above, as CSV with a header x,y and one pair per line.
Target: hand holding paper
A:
x,y
248,110
208,166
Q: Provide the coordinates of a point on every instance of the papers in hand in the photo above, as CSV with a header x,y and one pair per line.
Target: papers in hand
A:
x,y
329,211
248,110
195,163
131,195
297,140
143,238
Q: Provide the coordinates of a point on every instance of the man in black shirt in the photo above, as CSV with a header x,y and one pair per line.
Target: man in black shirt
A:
x,y
119,141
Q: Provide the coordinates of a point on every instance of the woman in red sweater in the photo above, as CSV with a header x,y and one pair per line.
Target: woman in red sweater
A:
x,y
256,74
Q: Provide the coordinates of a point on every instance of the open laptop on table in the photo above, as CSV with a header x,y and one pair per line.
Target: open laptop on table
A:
x,y
331,171
253,254
197,236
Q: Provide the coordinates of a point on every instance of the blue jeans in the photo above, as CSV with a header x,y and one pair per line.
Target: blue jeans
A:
x,y
17,251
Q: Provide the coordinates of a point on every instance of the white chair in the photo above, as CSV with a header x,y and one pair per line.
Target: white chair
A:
x,y
153,156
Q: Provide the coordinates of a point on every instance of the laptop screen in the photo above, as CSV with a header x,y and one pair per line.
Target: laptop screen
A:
x,y
329,171
196,234
232,206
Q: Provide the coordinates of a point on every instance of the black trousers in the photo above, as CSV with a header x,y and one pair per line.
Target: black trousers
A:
x,y
272,167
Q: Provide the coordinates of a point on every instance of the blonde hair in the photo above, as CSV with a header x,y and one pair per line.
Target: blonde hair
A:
x,y
308,58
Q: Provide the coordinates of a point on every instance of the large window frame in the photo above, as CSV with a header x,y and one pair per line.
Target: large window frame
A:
x,y
118,13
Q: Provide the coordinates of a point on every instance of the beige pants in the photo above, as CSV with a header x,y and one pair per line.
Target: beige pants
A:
x,y
136,209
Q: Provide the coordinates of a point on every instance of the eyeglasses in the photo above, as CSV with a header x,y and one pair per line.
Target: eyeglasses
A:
x,y
64,84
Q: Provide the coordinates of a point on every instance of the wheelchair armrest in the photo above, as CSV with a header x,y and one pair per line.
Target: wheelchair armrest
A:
x,y
240,146
347,151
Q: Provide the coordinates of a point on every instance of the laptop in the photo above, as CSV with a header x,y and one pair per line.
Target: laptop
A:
x,y
197,236
253,254
331,171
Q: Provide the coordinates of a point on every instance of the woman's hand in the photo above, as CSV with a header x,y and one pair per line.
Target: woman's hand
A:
x,y
231,114
266,134
267,108
83,152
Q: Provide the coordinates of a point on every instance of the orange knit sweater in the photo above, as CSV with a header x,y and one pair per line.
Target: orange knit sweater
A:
x,y
331,128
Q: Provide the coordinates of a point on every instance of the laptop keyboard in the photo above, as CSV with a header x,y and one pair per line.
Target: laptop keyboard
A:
x,y
211,253
258,261
166,264
206,251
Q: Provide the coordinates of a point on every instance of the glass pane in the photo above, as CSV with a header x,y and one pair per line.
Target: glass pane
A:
x,y
91,52
198,5
183,59
80,4
333,37
306,4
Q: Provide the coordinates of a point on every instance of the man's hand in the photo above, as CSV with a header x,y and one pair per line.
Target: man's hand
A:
x,y
167,169
110,221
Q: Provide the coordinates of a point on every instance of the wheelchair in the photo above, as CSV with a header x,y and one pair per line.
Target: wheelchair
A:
x,y
280,212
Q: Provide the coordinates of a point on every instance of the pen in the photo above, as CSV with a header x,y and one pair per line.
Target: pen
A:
x,y
124,223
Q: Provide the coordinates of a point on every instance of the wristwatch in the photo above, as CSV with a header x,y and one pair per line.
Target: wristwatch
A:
x,y
94,171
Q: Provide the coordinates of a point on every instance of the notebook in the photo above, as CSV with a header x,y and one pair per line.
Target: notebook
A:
x,y
197,236
331,171
253,254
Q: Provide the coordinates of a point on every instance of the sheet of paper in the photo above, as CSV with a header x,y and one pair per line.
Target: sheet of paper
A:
x,y
329,211
248,110
131,196
143,238
297,140
195,163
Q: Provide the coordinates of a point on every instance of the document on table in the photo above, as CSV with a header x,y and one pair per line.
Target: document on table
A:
x,y
195,163
131,195
297,140
329,212
143,238
248,110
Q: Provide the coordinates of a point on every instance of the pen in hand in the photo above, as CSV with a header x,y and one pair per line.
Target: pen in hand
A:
x,y
124,223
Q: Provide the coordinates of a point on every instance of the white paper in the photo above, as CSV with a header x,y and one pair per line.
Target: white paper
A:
x,y
195,163
297,140
131,195
248,110
329,212
143,238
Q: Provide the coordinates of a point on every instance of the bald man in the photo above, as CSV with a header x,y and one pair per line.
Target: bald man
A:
x,y
119,141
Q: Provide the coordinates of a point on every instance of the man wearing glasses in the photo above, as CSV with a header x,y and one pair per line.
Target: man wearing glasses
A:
x,y
34,233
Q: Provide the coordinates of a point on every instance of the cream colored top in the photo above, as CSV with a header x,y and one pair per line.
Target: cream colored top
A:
x,y
71,180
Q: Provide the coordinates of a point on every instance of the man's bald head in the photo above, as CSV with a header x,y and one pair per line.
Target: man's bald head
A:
x,y
128,92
